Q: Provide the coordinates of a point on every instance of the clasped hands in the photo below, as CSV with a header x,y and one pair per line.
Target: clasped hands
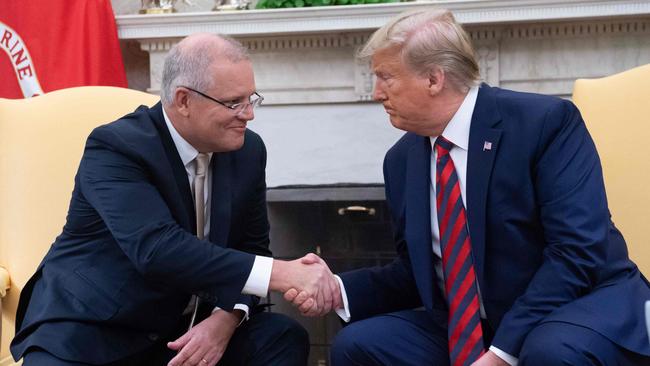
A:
x,y
308,284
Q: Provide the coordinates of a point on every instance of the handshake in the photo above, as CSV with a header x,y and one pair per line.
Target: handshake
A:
x,y
308,284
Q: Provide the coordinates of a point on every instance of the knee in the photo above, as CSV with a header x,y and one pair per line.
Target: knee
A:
x,y
289,332
543,347
352,344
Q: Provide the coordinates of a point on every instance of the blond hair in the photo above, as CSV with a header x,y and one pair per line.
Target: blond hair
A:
x,y
429,39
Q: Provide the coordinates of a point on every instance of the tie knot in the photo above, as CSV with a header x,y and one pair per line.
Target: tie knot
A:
x,y
201,163
443,145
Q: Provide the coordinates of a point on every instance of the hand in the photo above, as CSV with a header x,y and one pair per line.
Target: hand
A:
x,y
206,342
304,302
489,358
312,277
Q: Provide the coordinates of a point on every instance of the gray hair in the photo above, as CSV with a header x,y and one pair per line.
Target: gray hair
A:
x,y
187,62
429,39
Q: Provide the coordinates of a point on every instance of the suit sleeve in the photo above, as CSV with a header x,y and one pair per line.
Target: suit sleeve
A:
x,y
575,219
256,240
115,181
388,288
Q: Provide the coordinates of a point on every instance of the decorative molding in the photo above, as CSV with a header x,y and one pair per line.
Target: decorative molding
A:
x,y
345,40
488,61
364,80
158,45
578,29
334,19
484,34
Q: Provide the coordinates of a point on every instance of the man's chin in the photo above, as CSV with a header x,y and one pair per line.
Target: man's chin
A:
x,y
397,123
232,144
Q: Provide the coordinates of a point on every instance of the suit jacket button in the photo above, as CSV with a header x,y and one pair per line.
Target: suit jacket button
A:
x,y
153,337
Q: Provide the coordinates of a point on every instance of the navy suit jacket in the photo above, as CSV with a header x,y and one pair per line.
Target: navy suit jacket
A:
x,y
120,274
543,243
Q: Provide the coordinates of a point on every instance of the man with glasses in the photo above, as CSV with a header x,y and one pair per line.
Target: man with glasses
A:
x,y
164,254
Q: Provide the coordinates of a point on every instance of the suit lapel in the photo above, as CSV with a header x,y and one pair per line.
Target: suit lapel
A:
x,y
482,150
180,200
418,217
221,199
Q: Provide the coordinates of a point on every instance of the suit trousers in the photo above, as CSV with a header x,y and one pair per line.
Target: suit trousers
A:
x,y
409,337
414,337
265,339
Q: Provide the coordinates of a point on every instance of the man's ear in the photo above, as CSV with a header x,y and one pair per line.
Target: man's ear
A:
x,y
436,81
181,101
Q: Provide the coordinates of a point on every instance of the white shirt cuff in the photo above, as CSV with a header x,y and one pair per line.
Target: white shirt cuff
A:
x,y
259,278
242,307
344,313
511,360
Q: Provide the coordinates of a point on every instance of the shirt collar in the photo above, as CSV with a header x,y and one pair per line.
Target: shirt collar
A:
x,y
457,130
186,151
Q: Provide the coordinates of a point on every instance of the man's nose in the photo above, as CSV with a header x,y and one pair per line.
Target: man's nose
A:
x,y
247,113
378,92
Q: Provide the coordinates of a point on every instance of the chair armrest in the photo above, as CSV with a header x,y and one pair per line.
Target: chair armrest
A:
x,y
5,283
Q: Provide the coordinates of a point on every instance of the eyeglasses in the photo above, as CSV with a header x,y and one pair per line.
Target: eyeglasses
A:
x,y
254,101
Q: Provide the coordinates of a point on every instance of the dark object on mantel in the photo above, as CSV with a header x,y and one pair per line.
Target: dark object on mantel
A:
x,y
326,192
347,234
274,4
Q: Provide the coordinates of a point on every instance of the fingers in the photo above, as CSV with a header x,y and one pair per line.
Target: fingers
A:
x,y
180,342
195,355
328,296
186,356
291,295
196,359
307,305
311,286
311,258
301,298
315,283
212,357
331,292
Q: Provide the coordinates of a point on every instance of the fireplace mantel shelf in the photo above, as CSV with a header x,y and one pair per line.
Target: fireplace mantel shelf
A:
x,y
362,18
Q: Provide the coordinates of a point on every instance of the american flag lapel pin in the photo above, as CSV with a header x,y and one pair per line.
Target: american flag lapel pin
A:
x,y
487,145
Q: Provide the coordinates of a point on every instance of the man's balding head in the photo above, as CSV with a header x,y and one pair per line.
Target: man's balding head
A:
x,y
187,62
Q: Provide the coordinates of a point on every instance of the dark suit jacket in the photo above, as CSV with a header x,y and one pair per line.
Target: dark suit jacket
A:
x,y
120,274
542,239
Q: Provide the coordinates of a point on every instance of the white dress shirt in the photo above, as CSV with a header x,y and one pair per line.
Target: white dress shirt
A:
x,y
260,276
457,132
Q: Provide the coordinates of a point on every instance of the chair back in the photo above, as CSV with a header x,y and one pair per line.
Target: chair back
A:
x,y
616,110
41,142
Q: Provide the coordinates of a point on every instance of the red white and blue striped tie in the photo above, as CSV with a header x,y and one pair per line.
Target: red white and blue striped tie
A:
x,y
464,333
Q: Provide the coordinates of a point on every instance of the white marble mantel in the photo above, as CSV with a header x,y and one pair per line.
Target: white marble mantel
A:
x,y
367,17
317,123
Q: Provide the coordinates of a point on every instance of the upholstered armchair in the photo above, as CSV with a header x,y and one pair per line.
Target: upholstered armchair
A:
x,y
41,141
616,110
